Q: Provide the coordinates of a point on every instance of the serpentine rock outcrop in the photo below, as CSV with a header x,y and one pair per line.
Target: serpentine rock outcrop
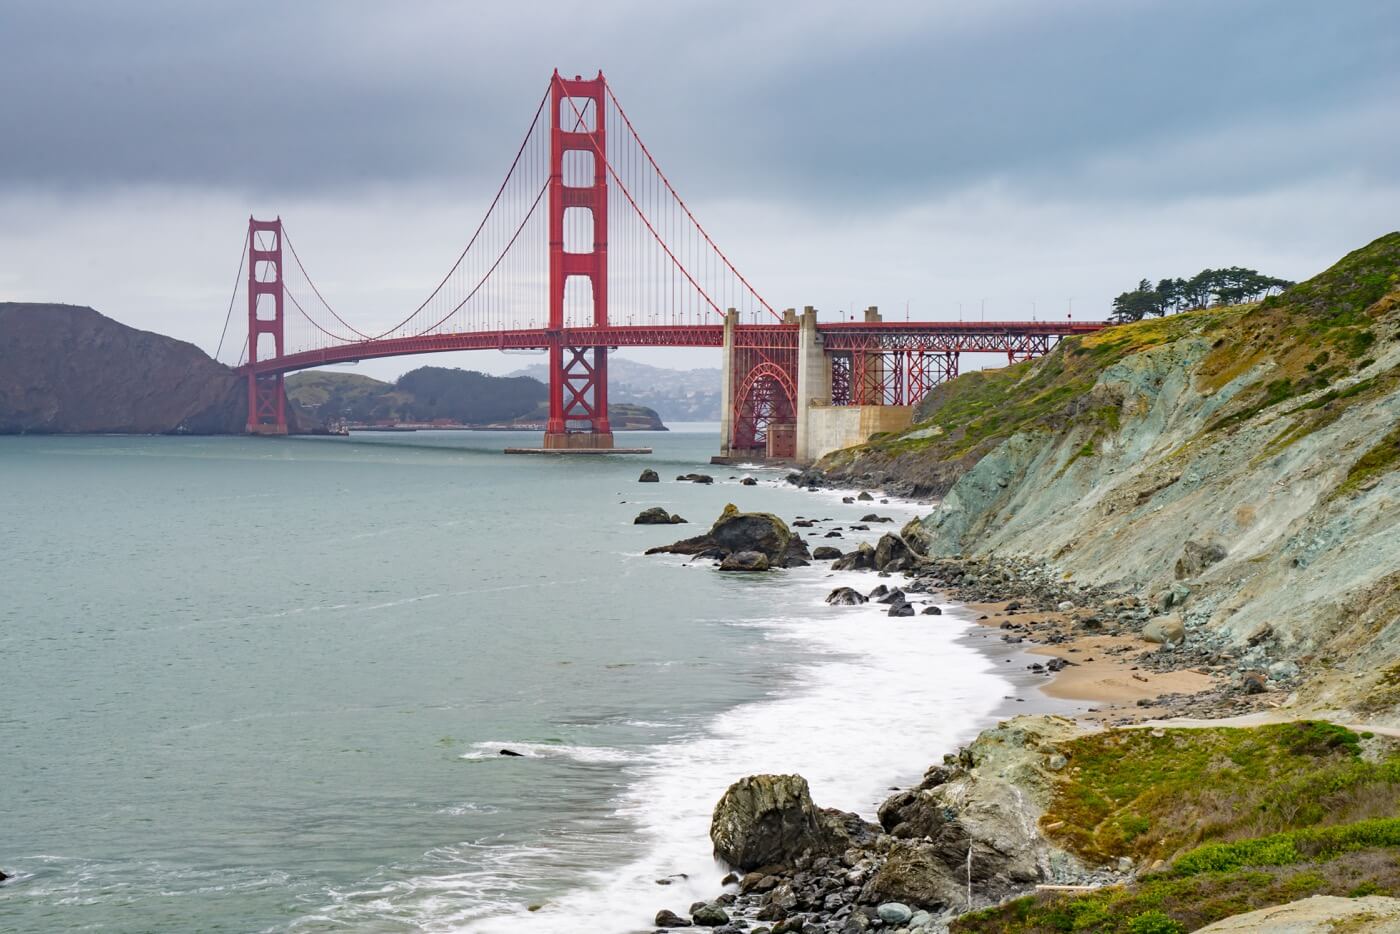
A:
x,y
1238,466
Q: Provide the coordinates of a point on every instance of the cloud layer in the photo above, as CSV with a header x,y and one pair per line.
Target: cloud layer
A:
x,y
874,153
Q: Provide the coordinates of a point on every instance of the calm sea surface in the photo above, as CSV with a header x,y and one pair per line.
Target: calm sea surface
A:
x,y
255,684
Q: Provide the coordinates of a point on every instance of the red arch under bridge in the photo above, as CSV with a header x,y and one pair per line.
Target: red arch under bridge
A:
x,y
587,247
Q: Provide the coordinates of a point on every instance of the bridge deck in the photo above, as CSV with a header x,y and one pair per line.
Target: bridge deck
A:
x,y
933,336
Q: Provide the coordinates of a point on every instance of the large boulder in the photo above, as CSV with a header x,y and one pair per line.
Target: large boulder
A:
x,y
770,820
826,553
862,559
889,549
1165,630
655,515
745,561
736,531
845,596
796,554
1196,557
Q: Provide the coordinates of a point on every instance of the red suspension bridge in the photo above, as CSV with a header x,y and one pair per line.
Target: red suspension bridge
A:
x,y
587,247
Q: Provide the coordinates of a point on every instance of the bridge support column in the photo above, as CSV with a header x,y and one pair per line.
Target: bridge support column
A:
x,y
813,381
578,376
267,397
726,384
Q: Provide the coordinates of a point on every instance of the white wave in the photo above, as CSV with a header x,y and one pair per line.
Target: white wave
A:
x,y
886,698
586,754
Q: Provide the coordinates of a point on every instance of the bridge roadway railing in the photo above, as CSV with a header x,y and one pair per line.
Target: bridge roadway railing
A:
x,y
1010,337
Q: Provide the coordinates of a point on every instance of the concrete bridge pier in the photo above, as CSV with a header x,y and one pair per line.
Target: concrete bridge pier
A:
x,y
776,394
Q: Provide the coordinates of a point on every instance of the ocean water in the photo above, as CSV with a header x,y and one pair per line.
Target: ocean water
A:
x,y
262,685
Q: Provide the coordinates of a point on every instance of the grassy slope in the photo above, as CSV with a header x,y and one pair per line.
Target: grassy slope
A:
x,y
1247,817
1317,332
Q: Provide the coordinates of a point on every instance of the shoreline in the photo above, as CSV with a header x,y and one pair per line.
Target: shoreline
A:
x,y
1065,651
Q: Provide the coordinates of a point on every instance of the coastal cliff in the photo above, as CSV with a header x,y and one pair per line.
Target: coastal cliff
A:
x,y
1196,517
1234,465
68,369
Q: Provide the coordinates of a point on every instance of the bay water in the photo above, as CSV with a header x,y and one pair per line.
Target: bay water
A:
x,y
262,684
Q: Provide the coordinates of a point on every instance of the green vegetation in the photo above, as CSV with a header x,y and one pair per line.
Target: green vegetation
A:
x,y
1232,286
1149,794
1376,462
979,410
1171,902
1254,817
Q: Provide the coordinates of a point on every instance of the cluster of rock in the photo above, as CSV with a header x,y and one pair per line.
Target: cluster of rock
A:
x,y
966,835
655,515
744,541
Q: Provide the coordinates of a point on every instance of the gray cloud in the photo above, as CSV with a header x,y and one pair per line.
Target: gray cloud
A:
x,y
818,101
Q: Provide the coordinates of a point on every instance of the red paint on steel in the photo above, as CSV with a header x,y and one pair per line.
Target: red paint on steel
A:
x,y
578,386
267,398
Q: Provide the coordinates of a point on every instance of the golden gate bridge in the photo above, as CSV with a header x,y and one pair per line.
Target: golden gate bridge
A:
x,y
587,247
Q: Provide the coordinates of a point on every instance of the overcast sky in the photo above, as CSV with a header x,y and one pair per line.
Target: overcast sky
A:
x,y
1009,152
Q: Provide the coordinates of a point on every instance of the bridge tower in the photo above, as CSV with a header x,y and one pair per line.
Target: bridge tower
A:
x,y
267,397
578,376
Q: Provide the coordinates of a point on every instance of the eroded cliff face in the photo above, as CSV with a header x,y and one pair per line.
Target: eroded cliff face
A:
x,y
1239,465
68,369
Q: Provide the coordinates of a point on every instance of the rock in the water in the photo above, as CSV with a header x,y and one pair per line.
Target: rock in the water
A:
x,y
709,916
932,610
770,819
862,559
879,591
1165,630
872,517
894,913
511,752
653,515
1196,557
748,481
826,553
802,523
736,531
666,918
677,520
901,609
796,554
889,549
848,499
845,596
895,596
745,561
865,497
648,476
701,478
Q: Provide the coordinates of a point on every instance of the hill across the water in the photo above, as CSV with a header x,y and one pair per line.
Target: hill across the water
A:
x,y
69,369
442,396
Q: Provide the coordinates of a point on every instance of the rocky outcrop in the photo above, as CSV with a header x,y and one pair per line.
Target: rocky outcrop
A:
x,y
861,559
745,561
1208,463
648,476
655,515
1321,914
846,596
770,820
736,531
68,369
